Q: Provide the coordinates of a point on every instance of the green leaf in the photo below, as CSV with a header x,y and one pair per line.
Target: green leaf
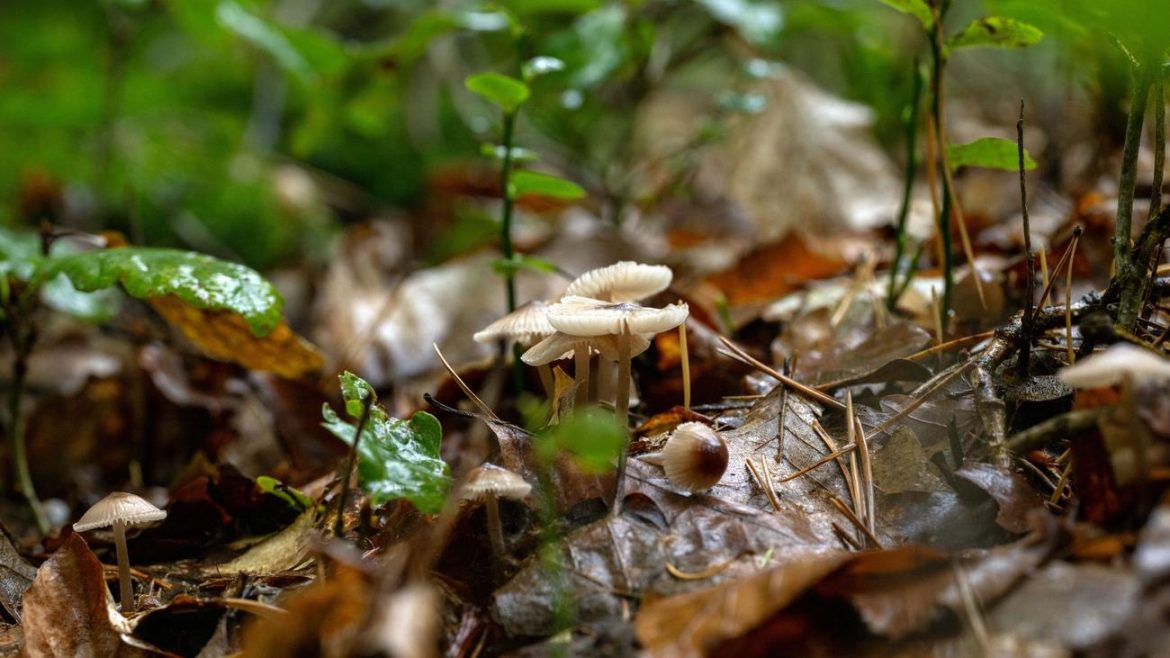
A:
x,y
20,253
592,436
996,32
758,22
396,458
505,92
916,8
201,281
989,153
355,391
266,37
531,182
295,498
98,306
505,267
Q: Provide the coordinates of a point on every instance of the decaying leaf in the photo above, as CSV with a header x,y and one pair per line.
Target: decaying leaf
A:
x,y
227,336
69,612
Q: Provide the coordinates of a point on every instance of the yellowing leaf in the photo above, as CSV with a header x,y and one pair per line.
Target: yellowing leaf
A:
x,y
226,336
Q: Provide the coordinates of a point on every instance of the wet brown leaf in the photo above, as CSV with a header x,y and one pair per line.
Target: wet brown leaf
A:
x,y
1016,497
225,336
68,611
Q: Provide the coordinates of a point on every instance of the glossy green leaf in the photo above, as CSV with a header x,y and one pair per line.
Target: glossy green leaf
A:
x,y
989,153
996,32
758,22
97,306
916,8
593,437
397,459
531,182
201,281
505,92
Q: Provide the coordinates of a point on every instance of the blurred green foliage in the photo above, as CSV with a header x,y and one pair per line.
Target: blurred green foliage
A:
x,y
176,120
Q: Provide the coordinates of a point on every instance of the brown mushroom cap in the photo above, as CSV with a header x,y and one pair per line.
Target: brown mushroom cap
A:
x,y
492,479
582,316
562,346
625,281
119,506
694,457
527,324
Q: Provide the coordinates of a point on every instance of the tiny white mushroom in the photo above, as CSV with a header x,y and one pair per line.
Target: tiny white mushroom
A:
x,y
625,281
527,325
694,457
1113,365
119,510
489,483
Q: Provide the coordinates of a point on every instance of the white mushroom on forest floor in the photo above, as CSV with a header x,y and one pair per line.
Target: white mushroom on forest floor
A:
x,y
562,346
624,281
694,457
489,483
117,511
525,326
582,316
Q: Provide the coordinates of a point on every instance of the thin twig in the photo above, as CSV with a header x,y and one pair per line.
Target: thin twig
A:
x,y
738,353
1026,336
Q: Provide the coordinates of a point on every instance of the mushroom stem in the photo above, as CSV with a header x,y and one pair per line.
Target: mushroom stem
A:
x,y
546,380
125,586
581,374
495,527
622,412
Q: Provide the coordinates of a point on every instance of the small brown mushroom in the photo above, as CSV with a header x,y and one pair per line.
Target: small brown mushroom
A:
x,y
117,511
694,457
489,483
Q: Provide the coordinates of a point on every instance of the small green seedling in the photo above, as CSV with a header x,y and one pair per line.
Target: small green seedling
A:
x,y
395,458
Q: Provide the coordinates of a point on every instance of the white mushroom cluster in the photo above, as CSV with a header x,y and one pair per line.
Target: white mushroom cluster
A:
x,y
600,314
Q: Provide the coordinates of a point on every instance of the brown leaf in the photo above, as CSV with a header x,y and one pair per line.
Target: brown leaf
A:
x,y
694,624
1014,495
324,620
772,270
225,336
68,611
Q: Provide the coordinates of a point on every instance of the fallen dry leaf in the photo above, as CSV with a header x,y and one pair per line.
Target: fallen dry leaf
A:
x,y
69,612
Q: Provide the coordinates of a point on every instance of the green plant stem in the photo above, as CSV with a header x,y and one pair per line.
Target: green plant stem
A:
x,y
350,461
16,447
911,126
1025,345
509,203
1130,272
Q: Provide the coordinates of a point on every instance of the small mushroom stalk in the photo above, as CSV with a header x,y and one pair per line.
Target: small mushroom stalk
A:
x,y
125,586
622,411
581,374
495,526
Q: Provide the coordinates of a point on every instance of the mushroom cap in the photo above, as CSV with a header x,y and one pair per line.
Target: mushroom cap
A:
x,y
119,506
527,324
583,316
1112,365
625,281
694,457
562,346
491,479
